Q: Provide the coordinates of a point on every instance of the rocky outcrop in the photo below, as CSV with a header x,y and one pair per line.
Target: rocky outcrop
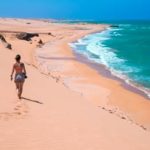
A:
x,y
50,34
40,42
2,38
26,36
114,26
4,42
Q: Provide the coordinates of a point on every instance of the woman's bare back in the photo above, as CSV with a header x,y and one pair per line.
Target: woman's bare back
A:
x,y
19,67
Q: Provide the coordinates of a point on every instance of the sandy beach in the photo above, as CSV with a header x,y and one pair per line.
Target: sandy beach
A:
x,y
66,104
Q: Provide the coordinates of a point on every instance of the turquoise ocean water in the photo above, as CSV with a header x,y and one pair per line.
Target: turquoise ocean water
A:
x,y
125,51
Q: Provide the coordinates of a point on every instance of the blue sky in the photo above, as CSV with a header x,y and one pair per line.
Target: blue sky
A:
x,y
77,9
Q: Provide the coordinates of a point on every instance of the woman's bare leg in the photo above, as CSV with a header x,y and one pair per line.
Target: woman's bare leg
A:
x,y
20,89
17,85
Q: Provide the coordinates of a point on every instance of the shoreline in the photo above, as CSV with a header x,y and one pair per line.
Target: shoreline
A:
x,y
106,72
102,70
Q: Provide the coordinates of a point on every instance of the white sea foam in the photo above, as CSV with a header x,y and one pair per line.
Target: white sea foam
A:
x,y
105,55
72,45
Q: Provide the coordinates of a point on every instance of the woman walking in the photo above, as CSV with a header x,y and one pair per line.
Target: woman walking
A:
x,y
20,75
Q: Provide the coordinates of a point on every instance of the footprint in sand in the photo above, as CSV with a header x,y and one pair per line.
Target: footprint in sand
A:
x,y
16,109
121,115
19,112
143,127
5,116
21,108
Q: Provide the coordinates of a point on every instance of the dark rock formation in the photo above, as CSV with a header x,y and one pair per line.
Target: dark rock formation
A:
x,y
114,26
40,42
50,34
2,38
26,36
4,42
8,46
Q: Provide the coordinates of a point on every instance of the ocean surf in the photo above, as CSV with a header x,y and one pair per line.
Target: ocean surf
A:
x,y
124,51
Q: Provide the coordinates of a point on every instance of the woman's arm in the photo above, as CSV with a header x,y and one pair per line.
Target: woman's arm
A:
x,y
13,69
24,68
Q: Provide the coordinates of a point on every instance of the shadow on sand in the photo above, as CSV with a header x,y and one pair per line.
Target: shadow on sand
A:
x,y
31,100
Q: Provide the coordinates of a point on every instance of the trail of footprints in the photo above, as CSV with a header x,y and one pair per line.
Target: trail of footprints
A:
x,y
111,111
121,115
19,112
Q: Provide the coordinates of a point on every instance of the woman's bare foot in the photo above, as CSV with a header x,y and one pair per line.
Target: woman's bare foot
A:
x,y
19,96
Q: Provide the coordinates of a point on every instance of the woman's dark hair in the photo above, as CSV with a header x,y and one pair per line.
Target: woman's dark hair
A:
x,y
18,57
